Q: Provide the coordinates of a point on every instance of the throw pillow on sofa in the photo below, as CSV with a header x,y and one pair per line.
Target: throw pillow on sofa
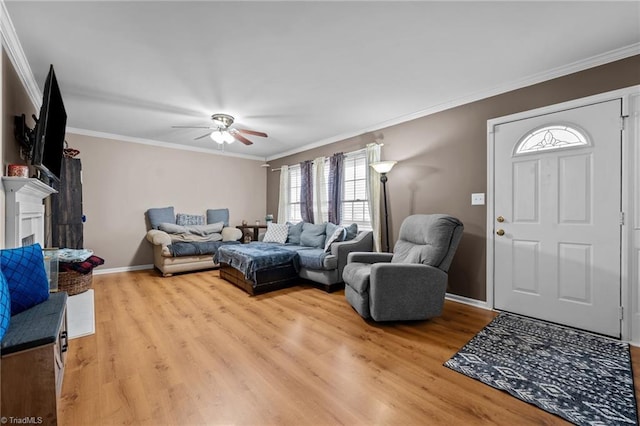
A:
x,y
352,231
331,229
313,235
336,237
189,219
294,232
218,215
172,228
231,234
202,230
276,233
335,234
23,267
160,215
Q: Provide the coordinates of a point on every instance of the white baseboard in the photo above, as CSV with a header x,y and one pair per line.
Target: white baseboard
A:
x,y
468,301
100,271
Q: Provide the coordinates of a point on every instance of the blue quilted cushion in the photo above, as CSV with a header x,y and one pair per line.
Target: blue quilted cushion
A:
x,y
184,219
24,270
5,305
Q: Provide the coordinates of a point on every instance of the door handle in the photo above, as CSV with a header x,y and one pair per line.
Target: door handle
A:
x,y
500,232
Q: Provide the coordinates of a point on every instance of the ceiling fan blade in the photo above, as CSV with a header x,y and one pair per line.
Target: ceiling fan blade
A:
x,y
203,136
190,127
241,138
252,132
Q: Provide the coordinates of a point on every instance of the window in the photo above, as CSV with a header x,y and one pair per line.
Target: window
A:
x,y
551,137
295,182
355,202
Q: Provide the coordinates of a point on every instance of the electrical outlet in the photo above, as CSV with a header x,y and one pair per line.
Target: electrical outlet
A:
x,y
477,199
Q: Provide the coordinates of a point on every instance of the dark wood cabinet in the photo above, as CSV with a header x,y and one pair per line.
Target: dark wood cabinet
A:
x,y
34,354
66,207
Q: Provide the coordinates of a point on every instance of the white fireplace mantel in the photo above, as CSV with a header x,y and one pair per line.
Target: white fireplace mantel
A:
x,y
24,220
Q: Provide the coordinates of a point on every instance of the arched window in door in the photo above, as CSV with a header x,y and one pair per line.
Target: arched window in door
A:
x,y
546,138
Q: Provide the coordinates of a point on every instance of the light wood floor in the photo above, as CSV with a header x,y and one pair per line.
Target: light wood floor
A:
x,y
193,349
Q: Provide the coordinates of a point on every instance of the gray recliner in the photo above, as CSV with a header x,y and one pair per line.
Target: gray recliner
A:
x,y
409,284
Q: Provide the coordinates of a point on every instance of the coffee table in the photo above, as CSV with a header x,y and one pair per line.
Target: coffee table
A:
x,y
245,265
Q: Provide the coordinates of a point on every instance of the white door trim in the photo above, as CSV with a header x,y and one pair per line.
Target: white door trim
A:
x,y
629,327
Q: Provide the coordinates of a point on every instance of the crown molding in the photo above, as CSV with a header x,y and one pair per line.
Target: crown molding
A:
x,y
584,64
17,57
129,139
12,44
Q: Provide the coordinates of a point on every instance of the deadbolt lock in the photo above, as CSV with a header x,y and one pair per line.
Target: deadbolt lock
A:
x,y
500,219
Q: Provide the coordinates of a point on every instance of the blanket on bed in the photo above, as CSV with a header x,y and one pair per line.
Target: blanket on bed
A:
x,y
178,249
256,256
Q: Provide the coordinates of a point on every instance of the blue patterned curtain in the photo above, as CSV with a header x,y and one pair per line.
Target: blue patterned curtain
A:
x,y
336,173
306,191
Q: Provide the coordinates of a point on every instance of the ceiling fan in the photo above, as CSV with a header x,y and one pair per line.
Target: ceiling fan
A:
x,y
223,132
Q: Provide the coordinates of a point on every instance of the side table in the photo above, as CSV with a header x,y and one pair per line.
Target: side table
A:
x,y
246,234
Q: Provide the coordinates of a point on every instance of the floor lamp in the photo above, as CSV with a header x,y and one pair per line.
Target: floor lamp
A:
x,y
384,167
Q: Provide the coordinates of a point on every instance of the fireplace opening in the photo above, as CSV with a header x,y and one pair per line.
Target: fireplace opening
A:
x,y
28,240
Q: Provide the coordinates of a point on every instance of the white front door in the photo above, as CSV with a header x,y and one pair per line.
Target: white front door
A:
x,y
557,186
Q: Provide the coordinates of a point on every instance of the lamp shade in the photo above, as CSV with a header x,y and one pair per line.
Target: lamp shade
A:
x,y
383,166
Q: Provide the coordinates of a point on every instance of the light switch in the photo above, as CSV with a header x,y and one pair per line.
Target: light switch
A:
x,y
477,199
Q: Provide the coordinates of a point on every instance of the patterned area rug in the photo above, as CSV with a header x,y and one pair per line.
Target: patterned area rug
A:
x,y
583,378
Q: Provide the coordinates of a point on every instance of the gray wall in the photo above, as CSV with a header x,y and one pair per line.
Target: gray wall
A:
x,y
121,180
443,160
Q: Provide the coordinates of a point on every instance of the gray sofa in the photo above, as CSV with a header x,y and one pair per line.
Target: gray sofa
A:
x,y
411,283
326,268
314,260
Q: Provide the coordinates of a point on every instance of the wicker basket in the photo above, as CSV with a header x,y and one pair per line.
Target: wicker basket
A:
x,y
74,282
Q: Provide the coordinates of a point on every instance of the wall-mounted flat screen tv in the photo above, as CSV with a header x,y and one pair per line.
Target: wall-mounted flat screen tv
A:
x,y
50,129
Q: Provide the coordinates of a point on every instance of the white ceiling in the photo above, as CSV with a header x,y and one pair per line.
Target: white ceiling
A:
x,y
306,73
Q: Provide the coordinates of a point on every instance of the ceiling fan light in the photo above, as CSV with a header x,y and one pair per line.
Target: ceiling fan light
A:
x,y
228,137
218,136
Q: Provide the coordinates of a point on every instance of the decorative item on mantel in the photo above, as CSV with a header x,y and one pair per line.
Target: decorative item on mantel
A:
x,y
69,152
268,218
18,170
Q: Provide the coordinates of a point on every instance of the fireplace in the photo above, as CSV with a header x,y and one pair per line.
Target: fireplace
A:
x,y
24,219
28,240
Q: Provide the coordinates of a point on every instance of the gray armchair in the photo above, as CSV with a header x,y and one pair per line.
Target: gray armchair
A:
x,y
409,284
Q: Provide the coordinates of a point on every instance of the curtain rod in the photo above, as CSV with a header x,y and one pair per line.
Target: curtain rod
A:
x,y
352,152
